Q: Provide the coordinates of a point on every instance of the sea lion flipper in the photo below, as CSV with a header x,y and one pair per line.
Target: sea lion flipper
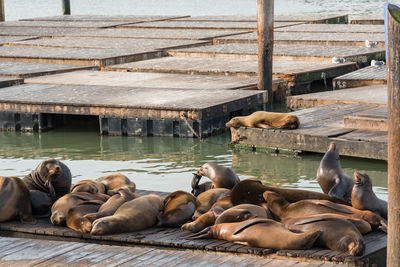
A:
x,y
247,224
334,206
383,226
262,125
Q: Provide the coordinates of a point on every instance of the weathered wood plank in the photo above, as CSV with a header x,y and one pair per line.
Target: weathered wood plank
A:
x,y
132,18
367,95
36,31
5,82
371,75
63,24
7,39
375,19
334,28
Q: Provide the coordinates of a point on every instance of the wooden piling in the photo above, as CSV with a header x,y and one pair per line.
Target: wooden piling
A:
x,y
265,30
66,7
393,60
2,13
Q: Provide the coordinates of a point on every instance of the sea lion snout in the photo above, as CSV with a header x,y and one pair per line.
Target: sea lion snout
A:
x,y
98,227
332,146
360,178
57,218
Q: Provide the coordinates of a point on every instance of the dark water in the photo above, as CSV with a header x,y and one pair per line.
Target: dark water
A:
x,y
165,164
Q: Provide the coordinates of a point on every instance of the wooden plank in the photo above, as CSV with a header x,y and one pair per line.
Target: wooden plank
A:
x,y
353,28
372,75
10,38
26,70
366,123
132,18
310,38
367,95
37,31
63,24
5,82
375,19
137,45
285,52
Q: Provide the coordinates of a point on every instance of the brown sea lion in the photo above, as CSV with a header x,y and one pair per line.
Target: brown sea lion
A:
x,y
50,176
179,207
336,233
116,181
90,186
264,233
60,208
41,203
364,198
264,119
134,215
283,209
208,198
14,200
251,192
76,219
241,213
332,179
220,176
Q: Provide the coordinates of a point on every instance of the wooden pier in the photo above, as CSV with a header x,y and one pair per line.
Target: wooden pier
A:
x,y
371,75
160,238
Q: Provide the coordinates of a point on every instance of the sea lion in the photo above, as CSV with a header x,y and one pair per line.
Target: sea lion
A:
x,y
364,198
14,200
197,188
90,186
112,204
283,209
251,192
41,203
50,176
208,198
332,179
264,233
134,215
60,208
179,207
241,213
336,233
114,182
76,219
264,119
221,177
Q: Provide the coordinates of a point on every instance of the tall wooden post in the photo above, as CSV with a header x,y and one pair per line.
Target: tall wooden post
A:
x,y
2,13
393,63
66,7
265,30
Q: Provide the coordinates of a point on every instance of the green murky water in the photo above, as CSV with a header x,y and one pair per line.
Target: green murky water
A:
x,y
164,164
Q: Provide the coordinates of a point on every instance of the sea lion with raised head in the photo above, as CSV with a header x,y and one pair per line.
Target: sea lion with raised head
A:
x,y
208,198
336,233
116,181
264,119
112,204
76,219
364,198
280,207
15,200
251,192
90,186
134,215
263,233
197,188
331,177
179,207
60,208
50,176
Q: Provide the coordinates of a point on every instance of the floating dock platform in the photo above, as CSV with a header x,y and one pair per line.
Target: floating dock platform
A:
x,y
367,76
161,238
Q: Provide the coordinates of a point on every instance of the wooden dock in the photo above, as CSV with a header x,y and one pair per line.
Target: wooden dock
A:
x,y
160,238
337,28
371,75
367,19
5,82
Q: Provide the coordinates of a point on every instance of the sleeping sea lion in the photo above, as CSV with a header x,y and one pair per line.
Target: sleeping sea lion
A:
x,y
179,207
220,176
251,192
112,204
134,215
241,213
263,233
114,182
14,200
264,119
90,186
208,198
50,176
60,208
283,209
332,179
76,219
336,233
364,198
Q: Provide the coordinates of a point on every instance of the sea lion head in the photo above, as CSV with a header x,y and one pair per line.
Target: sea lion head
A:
x,y
351,245
208,170
86,225
50,168
331,157
292,121
58,218
100,227
234,122
234,215
89,186
362,179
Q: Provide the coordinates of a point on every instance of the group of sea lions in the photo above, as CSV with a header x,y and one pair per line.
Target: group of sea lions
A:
x,y
246,212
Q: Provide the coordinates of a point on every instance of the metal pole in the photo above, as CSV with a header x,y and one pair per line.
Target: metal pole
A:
x,y
265,30
393,63
66,7
2,13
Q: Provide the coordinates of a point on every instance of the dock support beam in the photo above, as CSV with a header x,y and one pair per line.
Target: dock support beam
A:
x,y
2,13
66,7
393,60
265,31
